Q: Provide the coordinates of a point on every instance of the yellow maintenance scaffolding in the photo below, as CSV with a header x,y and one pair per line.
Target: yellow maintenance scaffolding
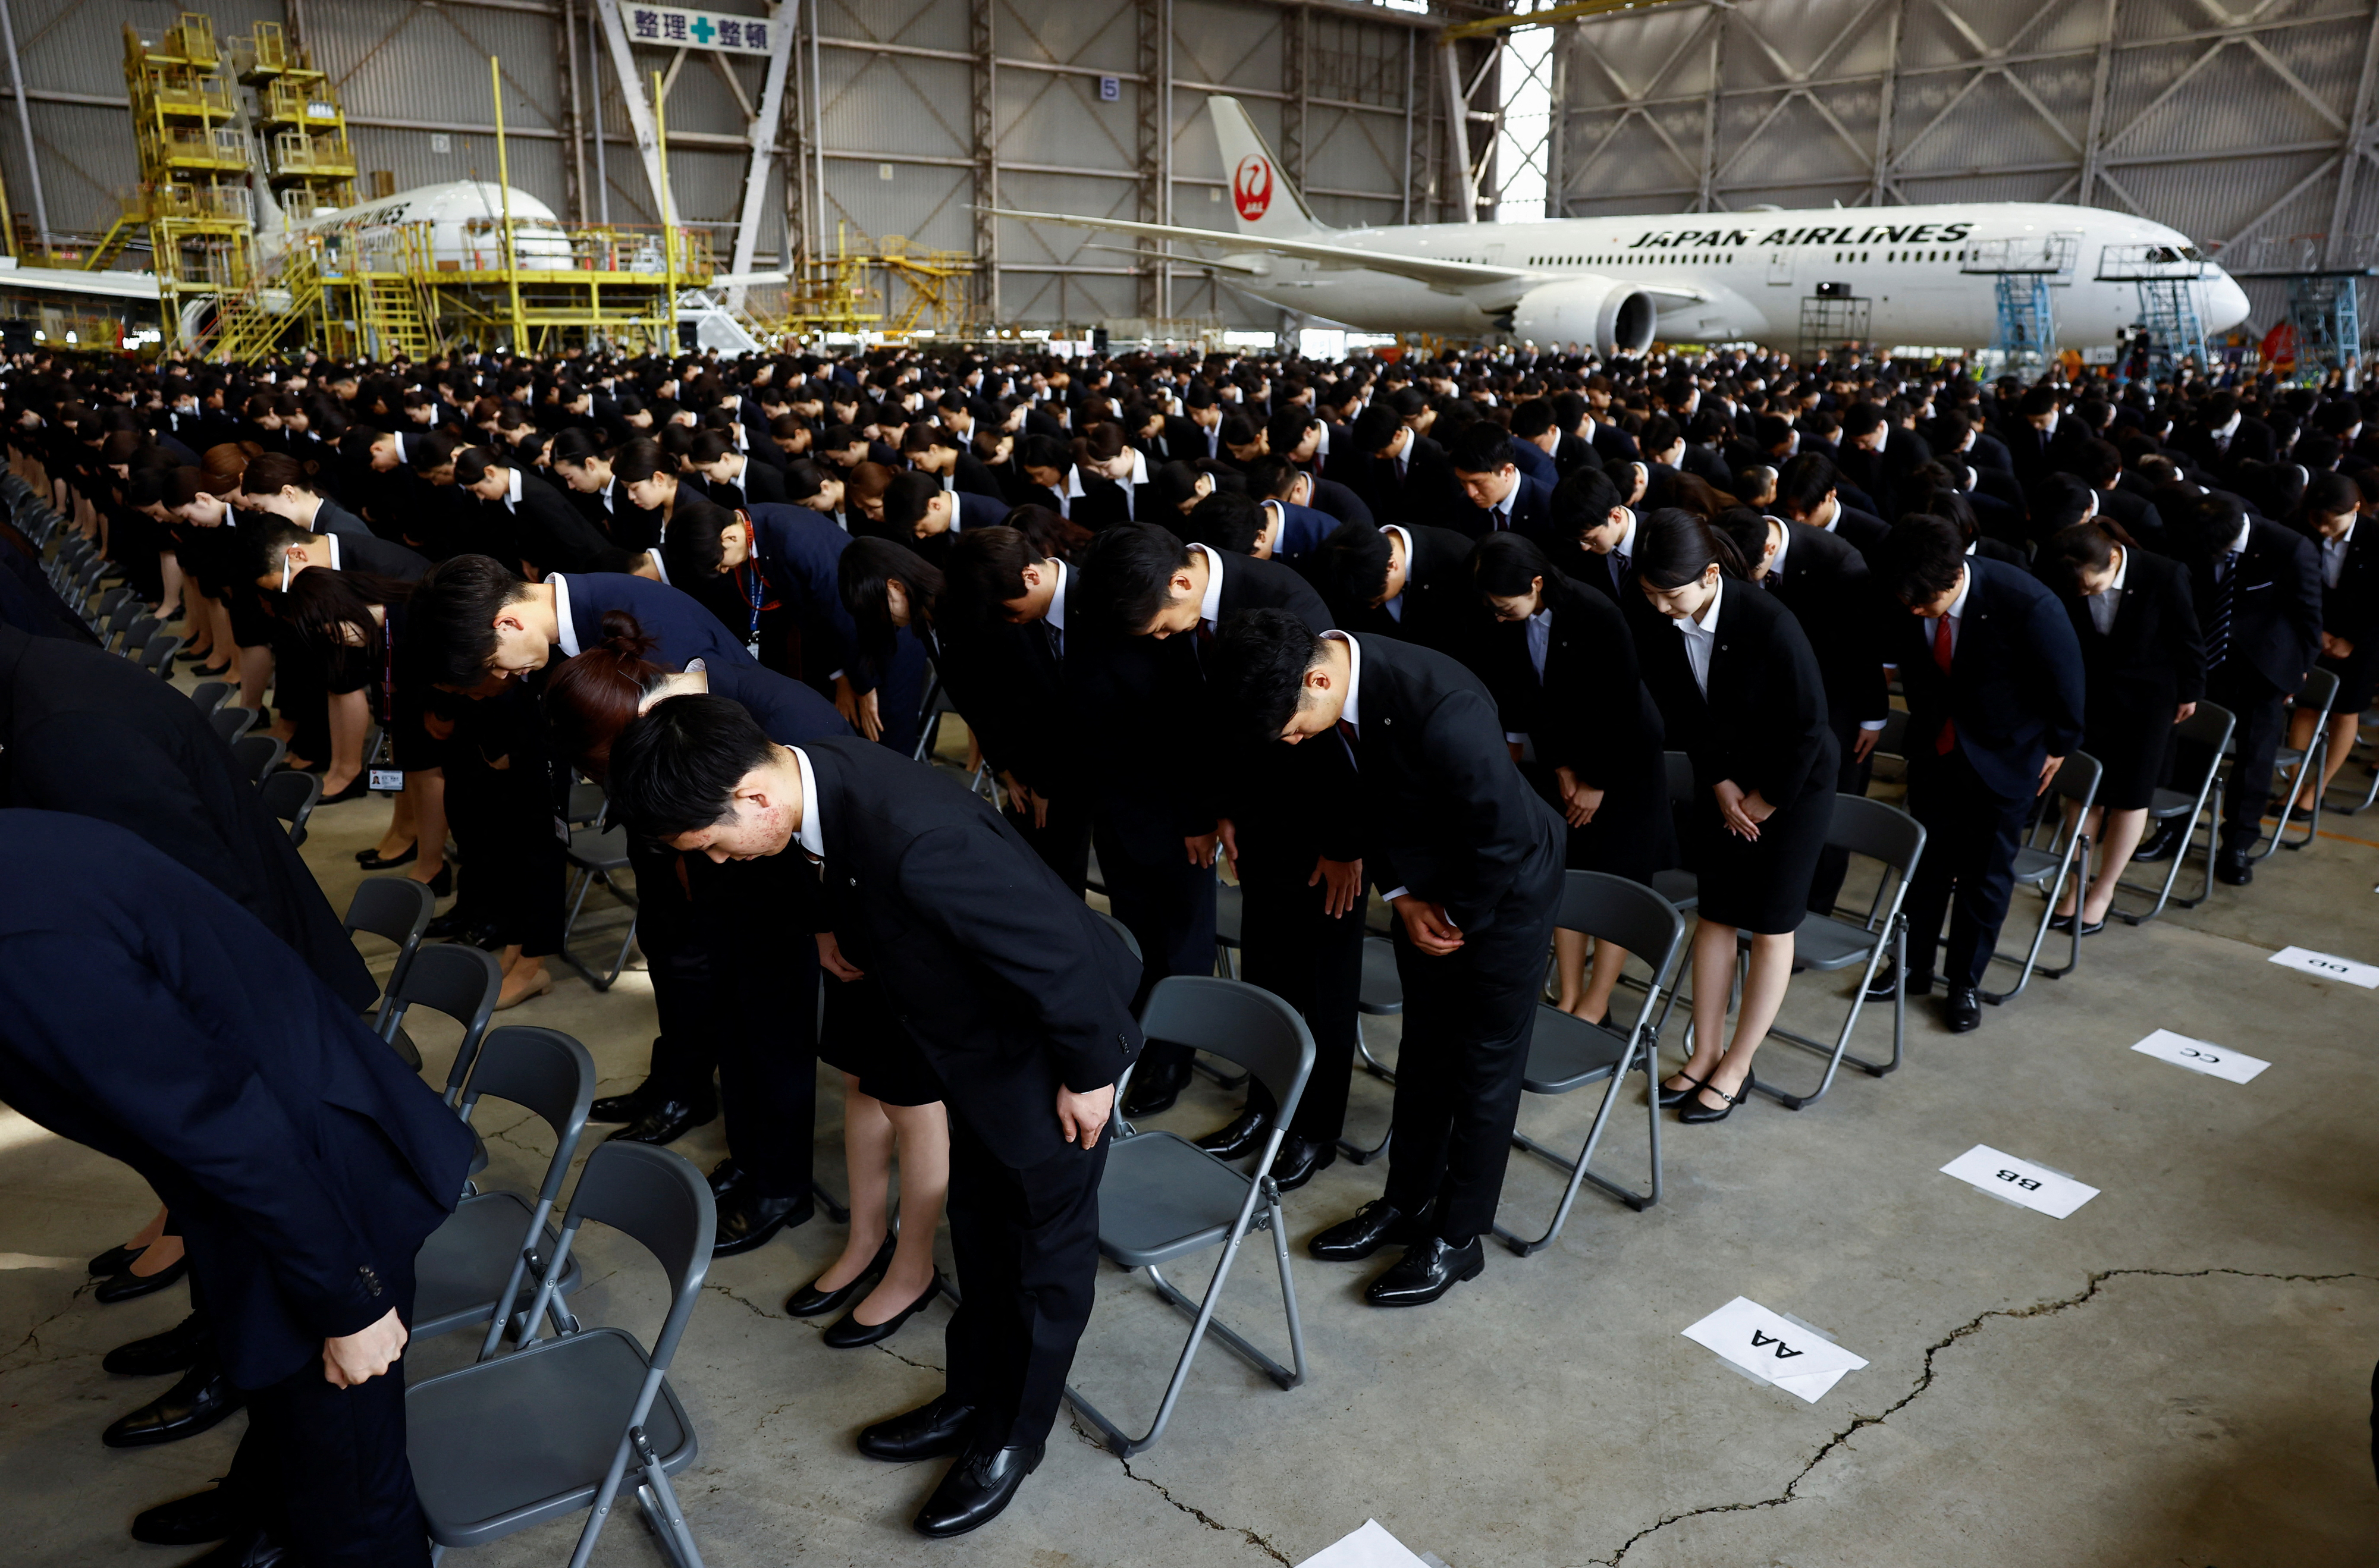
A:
x,y
194,169
891,292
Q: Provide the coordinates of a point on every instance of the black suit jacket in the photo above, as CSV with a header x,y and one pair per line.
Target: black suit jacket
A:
x,y
2276,615
1427,492
1590,712
368,552
1009,984
1863,531
85,732
1763,723
2350,611
145,1015
1531,510
629,526
1445,811
2015,684
333,518
1438,603
1825,583
760,484
2155,656
554,536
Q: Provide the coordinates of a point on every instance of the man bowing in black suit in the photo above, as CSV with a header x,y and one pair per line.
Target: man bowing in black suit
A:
x,y
1015,994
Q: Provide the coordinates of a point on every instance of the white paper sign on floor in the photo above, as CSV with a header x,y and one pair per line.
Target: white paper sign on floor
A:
x,y
1774,1349
2020,1181
2201,1055
1370,1546
2329,966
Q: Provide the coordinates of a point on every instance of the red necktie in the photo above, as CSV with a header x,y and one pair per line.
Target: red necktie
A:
x,y
1941,651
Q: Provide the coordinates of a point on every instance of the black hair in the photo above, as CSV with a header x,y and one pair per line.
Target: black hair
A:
x,y
1746,529
1257,670
986,569
640,460
1503,565
1228,519
321,606
905,501
2330,493
1583,500
1128,574
866,566
269,539
471,464
1485,448
803,481
1352,566
1375,427
453,615
1674,547
692,545
2089,545
674,769
1806,480
1921,558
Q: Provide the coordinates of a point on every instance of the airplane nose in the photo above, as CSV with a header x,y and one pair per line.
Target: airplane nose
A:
x,y
2226,303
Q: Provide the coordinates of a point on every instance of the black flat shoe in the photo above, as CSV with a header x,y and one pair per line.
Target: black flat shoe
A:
x,y
203,1397
440,885
372,860
211,671
357,788
811,1302
211,1515
666,1121
1376,1224
977,1490
114,1261
129,1286
2062,923
1670,1097
1697,1112
1154,1090
1300,1159
929,1432
1961,1010
850,1333
176,1350
1427,1271
747,1221
1239,1136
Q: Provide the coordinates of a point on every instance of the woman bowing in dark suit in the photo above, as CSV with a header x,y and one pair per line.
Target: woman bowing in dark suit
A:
x,y
1561,663
2144,663
1738,684
2350,619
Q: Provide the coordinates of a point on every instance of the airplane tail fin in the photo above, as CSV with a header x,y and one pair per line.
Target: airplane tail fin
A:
x,y
1262,200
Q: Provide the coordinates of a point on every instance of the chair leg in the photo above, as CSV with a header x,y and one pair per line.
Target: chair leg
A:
x,y
1838,1052
1347,1146
2213,847
2315,763
2029,961
1581,1171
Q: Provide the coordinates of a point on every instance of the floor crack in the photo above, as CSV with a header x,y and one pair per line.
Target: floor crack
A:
x,y
1252,1539
1924,1380
756,1311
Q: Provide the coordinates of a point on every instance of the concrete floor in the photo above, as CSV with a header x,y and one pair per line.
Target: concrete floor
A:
x,y
2177,1374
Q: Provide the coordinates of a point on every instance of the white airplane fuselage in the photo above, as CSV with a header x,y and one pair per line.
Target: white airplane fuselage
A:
x,y
1754,268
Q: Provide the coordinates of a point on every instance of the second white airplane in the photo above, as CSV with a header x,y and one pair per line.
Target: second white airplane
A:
x,y
1621,283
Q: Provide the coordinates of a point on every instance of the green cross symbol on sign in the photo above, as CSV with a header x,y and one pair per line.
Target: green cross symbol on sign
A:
x,y
702,29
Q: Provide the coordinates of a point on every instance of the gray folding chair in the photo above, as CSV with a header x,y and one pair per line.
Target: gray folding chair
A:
x,y
585,804
210,695
1164,1198
1230,915
157,656
231,723
454,978
397,908
537,1435
2050,868
1566,1052
2364,725
2317,696
292,797
495,1243
1382,996
1680,887
137,634
2202,738
1828,943
598,855
117,609
257,755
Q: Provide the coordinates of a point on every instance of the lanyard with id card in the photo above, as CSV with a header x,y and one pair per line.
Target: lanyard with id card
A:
x,y
381,770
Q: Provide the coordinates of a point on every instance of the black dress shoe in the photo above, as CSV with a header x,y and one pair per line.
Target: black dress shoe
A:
x,y
726,1176
2234,868
2165,842
372,860
114,1261
625,1107
1427,1270
211,1515
747,1220
1376,1224
811,1302
460,924
129,1286
976,1490
1961,1010
850,1333
1154,1090
666,1121
1239,1136
176,1350
1889,975
440,885
251,1547
1299,1159
1695,1111
929,1432
1670,1097
203,1397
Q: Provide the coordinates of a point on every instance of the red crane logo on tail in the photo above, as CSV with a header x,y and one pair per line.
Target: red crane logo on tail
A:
x,y
1252,186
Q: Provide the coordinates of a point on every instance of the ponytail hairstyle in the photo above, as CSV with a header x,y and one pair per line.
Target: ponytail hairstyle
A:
x,y
590,698
1675,548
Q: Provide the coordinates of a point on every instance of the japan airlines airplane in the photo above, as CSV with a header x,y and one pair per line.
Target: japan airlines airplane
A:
x,y
1621,283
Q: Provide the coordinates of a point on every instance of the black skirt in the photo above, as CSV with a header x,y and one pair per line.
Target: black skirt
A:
x,y
1633,832
1762,885
2129,729
2357,674
864,1039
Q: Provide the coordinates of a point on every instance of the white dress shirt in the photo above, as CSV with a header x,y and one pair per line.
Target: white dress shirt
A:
x,y
1055,617
1209,604
2103,606
811,834
1955,615
1395,606
568,633
1702,635
2333,555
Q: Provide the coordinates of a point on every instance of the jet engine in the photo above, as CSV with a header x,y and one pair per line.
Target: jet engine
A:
x,y
1616,318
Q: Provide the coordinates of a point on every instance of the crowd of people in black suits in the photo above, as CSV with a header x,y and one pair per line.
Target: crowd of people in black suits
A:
x,y
1427,630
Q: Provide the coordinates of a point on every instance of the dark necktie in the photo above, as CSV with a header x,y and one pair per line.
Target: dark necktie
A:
x,y
2226,599
1056,642
1618,569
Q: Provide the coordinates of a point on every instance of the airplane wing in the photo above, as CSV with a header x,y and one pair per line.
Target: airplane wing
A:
x,y
1437,274
1240,267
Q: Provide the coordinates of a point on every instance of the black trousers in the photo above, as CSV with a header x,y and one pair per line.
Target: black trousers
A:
x,y
1063,842
1313,962
1968,869
1168,906
1850,779
1468,1017
2262,721
512,870
1027,1244
324,1469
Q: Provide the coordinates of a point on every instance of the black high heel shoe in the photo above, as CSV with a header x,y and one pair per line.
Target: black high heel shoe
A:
x,y
811,1302
851,1334
1694,1112
1670,1098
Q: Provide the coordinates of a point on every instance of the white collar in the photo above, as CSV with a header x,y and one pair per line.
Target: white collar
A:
x,y
1210,603
660,566
2232,427
1056,614
1705,625
1626,535
605,494
562,626
1957,611
512,489
2122,569
2338,543
2246,532
811,834
1350,713
1784,547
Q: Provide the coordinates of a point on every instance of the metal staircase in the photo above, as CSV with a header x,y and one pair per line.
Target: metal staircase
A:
x,y
2167,280
2021,270
390,314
